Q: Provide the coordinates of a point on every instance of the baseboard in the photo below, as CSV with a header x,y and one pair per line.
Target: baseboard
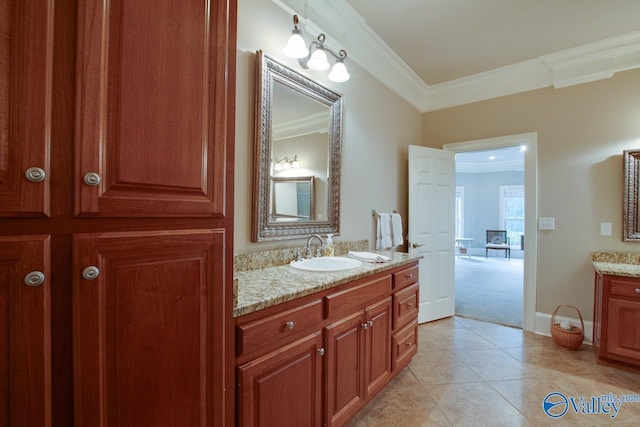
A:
x,y
543,325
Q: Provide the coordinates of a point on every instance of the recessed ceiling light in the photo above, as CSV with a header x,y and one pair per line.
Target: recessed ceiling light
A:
x,y
492,157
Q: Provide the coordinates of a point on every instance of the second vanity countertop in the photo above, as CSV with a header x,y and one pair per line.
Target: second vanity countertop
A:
x,y
614,263
266,287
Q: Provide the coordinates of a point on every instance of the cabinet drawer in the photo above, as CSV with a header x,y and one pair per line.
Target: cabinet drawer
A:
x,y
405,277
405,345
348,300
405,306
265,333
624,288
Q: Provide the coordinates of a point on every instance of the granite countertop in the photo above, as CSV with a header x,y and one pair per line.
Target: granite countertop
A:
x,y
266,287
617,263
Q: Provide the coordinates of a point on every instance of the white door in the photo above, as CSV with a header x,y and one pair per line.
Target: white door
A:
x,y
432,186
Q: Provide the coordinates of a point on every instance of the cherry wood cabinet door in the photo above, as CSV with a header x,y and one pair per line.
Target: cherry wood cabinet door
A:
x,y
25,325
147,351
623,342
344,382
283,388
151,119
26,56
378,345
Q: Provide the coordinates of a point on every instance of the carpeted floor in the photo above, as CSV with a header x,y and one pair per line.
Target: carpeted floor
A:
x,y
490,289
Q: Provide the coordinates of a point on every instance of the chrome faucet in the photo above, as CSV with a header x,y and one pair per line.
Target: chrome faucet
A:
x,y
318,249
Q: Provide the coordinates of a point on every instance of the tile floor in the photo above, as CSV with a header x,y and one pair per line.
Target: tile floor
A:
x,y
471,373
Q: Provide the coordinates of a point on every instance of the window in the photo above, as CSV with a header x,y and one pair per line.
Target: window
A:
x,y
512,212
459,207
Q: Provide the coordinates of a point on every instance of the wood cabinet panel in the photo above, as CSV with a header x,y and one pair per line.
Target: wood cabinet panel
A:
x,y
273,329
405,345
25,326
283,388
405,306
26,57
378,345
146,350
345,368
157,142
624,339
344,302
405,277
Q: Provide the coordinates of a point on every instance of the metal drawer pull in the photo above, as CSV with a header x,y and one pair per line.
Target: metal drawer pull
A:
x,y
91,272
289,325
365,325
637,290
321,351
370,323
409,305
409,344
409,276
35,278
35,174
92,179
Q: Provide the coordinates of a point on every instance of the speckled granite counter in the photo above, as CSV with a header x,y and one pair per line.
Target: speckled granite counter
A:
x,y
266,287
617,263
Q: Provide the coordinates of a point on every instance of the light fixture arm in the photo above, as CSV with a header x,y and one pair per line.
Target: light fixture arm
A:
x,y
318,43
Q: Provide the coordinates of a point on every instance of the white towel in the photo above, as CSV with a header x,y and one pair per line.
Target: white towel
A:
x,y
383,237
369,257
396,230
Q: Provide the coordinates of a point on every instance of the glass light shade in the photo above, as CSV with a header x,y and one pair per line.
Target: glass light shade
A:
x,y
287,165
296,47
278,166
295,164
318,60
339,73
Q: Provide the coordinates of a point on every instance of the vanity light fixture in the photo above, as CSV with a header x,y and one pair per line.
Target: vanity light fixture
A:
x,y
286,163
315,57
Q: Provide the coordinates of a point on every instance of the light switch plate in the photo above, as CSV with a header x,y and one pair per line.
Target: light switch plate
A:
x,y
546,223
605,229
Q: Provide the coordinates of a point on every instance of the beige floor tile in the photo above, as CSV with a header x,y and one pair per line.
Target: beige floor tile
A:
x,y
441,367
494,364
471,373
475,404
463,339
504,336
402,403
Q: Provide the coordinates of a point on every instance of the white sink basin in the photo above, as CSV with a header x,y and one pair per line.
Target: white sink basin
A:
x,y
326,264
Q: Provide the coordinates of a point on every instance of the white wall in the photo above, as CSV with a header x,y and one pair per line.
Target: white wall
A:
x,y
378,126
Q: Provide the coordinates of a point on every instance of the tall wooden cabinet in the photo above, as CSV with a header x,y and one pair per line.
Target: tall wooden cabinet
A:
x,y
116,183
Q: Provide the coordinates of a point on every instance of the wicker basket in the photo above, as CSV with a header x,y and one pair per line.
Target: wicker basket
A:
x,y
568,338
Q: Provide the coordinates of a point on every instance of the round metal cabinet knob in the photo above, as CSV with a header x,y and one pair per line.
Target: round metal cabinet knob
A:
x,y
35,174
92,179
321,351
91,272
35,278
637,290
290,325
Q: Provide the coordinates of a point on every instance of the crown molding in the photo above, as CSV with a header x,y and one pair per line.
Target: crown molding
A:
x,y
347,28
313,123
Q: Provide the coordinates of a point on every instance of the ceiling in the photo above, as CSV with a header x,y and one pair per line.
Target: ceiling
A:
x,y
441,53
443,40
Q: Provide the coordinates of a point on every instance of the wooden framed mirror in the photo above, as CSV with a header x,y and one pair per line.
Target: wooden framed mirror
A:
x,y
298,138
631,219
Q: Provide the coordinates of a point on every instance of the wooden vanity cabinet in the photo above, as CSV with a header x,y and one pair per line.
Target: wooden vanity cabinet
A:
x,y
318,359
617,320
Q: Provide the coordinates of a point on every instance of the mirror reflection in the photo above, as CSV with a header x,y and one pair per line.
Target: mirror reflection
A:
x,y
297,155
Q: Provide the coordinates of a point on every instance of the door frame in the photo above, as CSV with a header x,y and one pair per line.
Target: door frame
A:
x,y
530,140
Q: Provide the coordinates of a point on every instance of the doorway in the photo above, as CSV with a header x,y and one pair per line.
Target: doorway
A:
x,y
529,141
